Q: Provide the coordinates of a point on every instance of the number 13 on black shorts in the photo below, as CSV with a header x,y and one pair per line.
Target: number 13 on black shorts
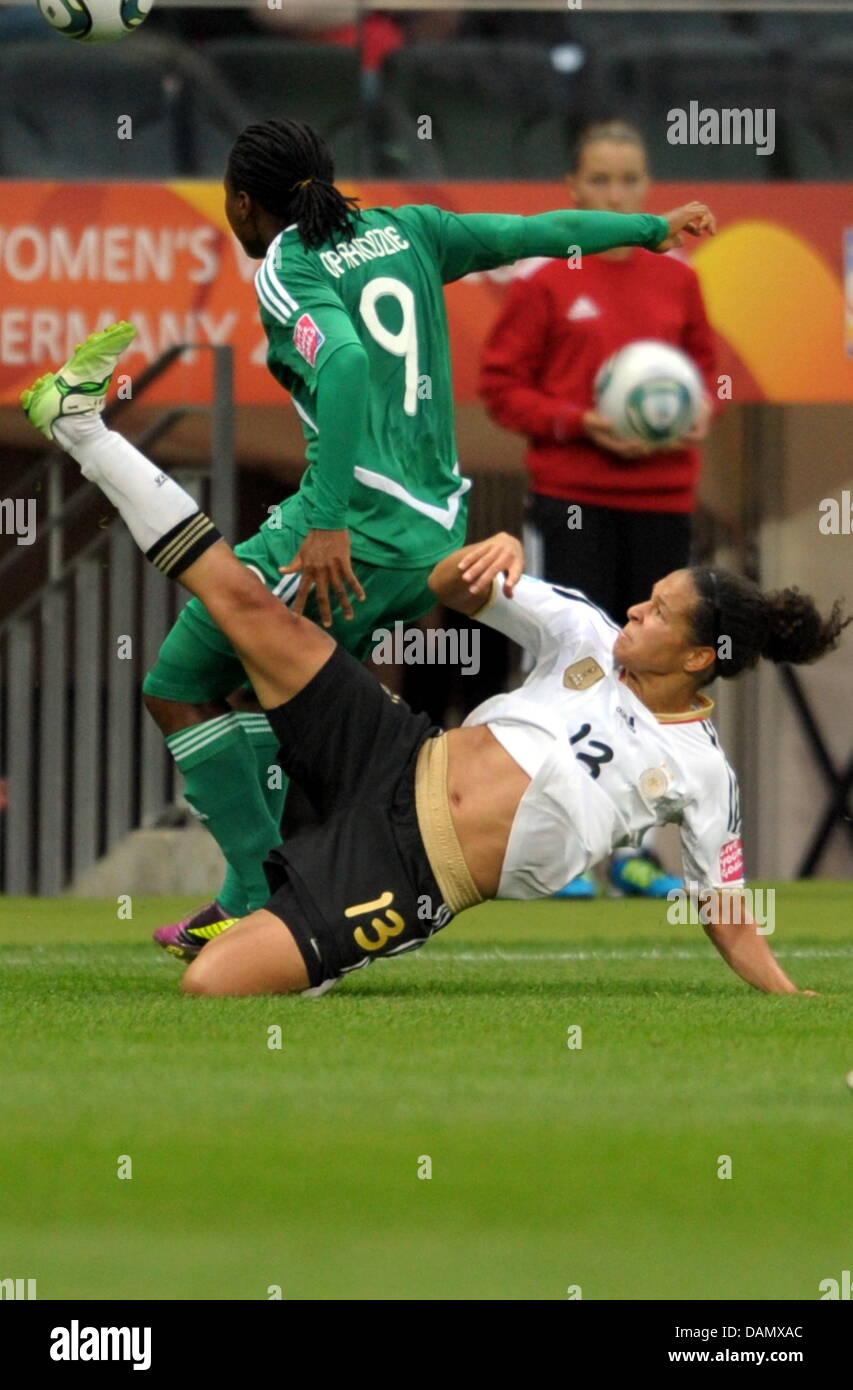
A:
x,y
373,935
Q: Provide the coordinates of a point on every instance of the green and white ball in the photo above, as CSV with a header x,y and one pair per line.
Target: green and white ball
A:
x,y
651,392
95,21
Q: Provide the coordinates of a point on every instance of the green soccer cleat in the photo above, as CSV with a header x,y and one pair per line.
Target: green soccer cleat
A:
x,y
80,387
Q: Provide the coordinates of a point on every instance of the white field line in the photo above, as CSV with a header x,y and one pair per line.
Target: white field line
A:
x,y
18,955
679,953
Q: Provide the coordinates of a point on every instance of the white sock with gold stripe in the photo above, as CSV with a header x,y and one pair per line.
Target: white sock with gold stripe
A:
x,y
163,519
149,502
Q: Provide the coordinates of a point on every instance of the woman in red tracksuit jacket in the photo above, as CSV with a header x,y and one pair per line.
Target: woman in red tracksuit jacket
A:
x,y
558,324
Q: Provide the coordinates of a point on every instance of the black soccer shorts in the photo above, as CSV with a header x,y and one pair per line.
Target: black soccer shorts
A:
x,y
358,885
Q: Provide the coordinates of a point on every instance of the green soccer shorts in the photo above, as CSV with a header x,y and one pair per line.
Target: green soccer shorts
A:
x,y
197,663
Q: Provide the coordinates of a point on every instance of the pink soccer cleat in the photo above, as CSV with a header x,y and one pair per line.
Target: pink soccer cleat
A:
x,y
185,939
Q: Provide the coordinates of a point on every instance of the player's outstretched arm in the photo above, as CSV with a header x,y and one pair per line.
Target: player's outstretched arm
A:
x,y
602,231
738,941
484,241
463,579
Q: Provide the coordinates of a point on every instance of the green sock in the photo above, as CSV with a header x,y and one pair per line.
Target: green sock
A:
x,y
221,784
274,788
232,892
272,779
272,782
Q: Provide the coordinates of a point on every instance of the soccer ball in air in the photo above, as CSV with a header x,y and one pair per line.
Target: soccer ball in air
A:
x,y
649,391
95,21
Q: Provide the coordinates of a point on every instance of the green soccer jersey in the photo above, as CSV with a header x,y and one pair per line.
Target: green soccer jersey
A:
x,y
357,332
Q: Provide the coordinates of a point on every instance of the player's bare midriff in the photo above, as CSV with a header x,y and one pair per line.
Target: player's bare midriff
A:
x,y
484,787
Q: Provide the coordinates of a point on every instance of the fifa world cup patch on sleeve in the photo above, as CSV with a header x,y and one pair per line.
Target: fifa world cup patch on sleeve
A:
x,y
731,861
308,339
582,674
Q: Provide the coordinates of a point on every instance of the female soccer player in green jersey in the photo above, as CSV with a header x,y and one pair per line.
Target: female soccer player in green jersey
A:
x,y
352,302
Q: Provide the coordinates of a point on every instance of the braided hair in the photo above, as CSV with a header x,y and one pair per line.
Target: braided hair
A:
x,y
783,626
288,169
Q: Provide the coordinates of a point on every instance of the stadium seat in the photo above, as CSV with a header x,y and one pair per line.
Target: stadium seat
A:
x,y
644,80
586,25
821,113
316,83
795,31
182,121
545,28
497,111
598,28
24,24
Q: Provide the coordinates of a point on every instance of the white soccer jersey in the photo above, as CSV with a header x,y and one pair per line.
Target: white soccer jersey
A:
x,y
604,769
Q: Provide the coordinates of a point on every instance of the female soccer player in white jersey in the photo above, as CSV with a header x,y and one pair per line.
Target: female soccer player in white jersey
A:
x,y
608,736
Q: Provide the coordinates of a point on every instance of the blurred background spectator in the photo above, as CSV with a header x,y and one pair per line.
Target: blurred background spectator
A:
x,y
631,507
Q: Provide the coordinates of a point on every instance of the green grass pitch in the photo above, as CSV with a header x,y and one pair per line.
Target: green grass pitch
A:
x,y
255,1167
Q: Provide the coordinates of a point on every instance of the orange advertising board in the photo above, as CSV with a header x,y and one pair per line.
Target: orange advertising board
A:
x,y
777,280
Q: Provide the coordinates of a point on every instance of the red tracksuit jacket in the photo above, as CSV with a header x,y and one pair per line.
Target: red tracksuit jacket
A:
x,y
540,361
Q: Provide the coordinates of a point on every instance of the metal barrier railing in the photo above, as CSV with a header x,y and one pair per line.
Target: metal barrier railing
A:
x,y
83,762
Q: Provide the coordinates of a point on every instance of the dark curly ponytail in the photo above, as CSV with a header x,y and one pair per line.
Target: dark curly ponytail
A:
x,y
288,168
781,626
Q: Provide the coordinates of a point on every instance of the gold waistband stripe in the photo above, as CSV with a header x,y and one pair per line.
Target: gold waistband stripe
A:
x,y
437,829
